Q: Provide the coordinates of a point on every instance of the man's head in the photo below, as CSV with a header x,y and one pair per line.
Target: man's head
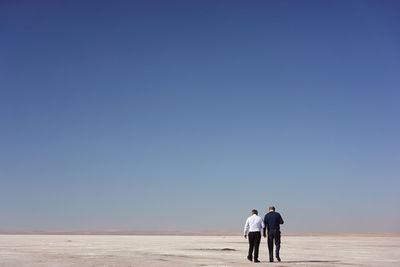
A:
x,y
254,212
271,208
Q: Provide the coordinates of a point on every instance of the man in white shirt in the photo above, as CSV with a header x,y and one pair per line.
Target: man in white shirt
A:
x,y
253,227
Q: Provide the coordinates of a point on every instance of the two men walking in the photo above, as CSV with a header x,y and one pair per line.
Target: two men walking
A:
x,y
271,224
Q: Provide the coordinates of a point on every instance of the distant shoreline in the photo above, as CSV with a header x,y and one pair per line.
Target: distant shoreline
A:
x,y
179,233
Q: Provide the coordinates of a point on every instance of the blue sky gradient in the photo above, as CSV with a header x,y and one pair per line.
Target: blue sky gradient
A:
x,y
129,114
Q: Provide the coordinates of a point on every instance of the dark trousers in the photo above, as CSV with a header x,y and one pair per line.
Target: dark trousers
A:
x,y
274,235
254,244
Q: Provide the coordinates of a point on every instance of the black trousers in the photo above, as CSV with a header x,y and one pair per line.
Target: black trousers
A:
x,y
254,244
274,235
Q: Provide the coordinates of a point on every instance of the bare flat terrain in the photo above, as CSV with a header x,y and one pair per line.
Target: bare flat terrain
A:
x,y
117,250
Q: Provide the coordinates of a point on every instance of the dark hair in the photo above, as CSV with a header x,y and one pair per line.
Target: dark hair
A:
x,y
254,212
272,208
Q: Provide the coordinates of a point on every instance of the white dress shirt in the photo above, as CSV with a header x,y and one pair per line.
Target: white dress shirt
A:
x,y
253,224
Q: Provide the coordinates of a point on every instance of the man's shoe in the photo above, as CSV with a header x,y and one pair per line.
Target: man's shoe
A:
x,y
277,257
271,260
256,261
249,258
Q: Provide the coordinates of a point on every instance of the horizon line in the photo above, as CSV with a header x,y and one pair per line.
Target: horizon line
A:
x,y
180,233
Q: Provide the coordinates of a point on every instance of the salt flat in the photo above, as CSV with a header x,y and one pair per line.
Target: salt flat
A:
x,y
115,250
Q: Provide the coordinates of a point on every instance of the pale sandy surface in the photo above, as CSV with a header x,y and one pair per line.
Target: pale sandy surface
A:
x,y
109,250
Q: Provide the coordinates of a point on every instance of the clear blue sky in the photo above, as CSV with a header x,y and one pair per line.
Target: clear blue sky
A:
x,y
174,115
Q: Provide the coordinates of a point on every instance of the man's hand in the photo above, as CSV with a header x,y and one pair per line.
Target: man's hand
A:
x,y
264,235
245,236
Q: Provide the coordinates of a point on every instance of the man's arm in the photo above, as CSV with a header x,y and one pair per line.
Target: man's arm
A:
x,y
280,219
246,228
265,226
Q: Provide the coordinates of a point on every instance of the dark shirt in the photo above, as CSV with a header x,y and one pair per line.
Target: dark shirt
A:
x,y
272,220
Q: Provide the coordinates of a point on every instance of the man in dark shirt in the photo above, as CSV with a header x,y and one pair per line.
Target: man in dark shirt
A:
x,y
272,220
